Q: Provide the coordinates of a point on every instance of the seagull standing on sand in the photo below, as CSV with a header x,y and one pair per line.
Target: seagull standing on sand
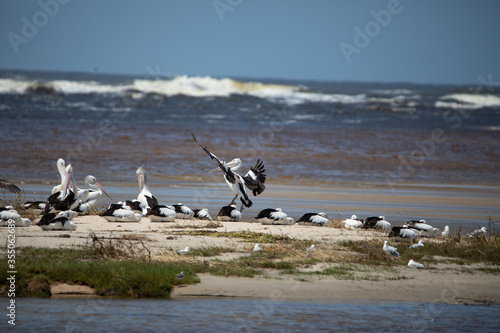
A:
x,y
390,250
253,180
257,248
418,245
414,264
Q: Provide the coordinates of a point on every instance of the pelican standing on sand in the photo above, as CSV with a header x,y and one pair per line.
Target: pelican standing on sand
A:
x,y
253,180
146,199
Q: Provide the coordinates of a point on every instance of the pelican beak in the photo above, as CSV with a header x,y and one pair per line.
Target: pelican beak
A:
x,y
100,187
139,180
67,181
214,170
231,164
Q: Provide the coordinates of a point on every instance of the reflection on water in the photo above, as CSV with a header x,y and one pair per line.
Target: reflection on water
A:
x,y
236,315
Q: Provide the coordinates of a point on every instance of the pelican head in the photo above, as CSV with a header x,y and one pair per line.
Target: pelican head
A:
x,y
61,167
67,180
235,164
354,217
141,178
92,183
322,214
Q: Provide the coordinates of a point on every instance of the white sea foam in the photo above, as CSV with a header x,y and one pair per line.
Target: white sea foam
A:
x,y
468,101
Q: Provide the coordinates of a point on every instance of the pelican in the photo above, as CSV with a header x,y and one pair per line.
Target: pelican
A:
x,y
377,222
414,264
11,187
79,195
183,211
95,194
273,216
146,199
58,222
65,198
8,215
162,213
403,231
61,167
352,223
36,206
253,180
118,212
228,214
202,214
314,218
446,231
418,245
390,250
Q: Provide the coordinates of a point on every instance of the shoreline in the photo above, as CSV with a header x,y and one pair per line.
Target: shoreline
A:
x,y
439,283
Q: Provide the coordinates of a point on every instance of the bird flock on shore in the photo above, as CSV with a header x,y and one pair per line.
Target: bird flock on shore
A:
x,y
67,201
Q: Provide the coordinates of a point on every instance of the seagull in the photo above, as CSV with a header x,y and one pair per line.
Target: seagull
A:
x,y
253,180
185,250
202,214
315,218
414,264
146,199
310,250
418,245
180,276
390,250
11,187
257,248
352,223
446,231
229,213
478,232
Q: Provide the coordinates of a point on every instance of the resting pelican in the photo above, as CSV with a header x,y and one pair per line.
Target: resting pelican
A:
x,y
352,223
95,194
147,200
315,218
229,214
61,167
162,213
118,212
202,214
183,211
253,180
273,216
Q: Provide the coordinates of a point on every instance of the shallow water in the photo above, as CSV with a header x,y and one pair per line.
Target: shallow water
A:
x,y
242,315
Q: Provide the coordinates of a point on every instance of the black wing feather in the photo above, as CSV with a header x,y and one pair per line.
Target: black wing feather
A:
x,y
9,186
227,172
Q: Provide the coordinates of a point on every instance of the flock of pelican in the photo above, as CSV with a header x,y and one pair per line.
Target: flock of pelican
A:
x,y
67,200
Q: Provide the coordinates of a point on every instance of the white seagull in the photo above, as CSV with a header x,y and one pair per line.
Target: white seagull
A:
x,y
310,250
257,248
418,245
414,264
253,180
185,250
180,276
146,199
446,231
390,250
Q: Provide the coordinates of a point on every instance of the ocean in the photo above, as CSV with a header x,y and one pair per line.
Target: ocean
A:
x,y
358,145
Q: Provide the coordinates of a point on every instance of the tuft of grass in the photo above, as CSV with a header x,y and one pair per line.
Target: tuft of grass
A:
x,y
247,236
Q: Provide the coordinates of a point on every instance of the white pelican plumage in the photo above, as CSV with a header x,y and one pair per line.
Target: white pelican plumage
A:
x,y
253,180
403,232
61,221
229,214
478,233
202,214
66,199
118,212
377,222
162,213
390,250
94,196
273,216
183,211
352,223
9,215
146,198
61,167
314,218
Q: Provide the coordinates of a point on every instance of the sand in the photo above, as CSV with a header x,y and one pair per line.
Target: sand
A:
x,y
444,284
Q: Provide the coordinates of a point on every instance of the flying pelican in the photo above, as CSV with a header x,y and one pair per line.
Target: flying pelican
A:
x,y
9,186
202,214
162,213
253,180
390,250
273,216
352,223
95,194
146,199
315,218
418,245
61,167
229,213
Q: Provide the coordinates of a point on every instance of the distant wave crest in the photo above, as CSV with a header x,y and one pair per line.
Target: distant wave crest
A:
x,y
468,101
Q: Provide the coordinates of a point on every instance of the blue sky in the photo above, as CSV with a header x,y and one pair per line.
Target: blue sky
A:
x,y
423,41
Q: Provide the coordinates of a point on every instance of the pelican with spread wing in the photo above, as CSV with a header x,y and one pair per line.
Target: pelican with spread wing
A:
x,y
253,180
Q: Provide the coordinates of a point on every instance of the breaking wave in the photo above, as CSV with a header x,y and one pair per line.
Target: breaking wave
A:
x,y
468,101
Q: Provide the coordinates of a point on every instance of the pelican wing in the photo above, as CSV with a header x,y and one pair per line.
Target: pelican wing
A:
x,y
9,186
255,178
230,176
